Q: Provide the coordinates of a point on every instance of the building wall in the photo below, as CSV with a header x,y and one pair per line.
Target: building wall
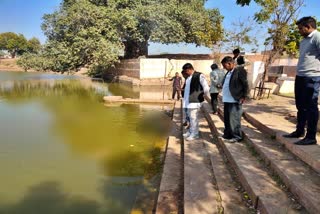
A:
x,y
156,71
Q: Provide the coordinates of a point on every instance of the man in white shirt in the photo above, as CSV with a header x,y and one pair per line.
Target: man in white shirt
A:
x,y
235,90
195,91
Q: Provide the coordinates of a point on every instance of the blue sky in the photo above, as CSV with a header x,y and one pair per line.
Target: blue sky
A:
x,y
25,16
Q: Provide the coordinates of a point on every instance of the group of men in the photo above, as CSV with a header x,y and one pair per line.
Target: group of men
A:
x,y
235,89
234,85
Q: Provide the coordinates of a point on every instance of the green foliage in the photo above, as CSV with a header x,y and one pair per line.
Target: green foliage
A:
x,y
293,40
33,45
35,62
279,14
18,44
81,34
94,33
13,43
239,35
2,53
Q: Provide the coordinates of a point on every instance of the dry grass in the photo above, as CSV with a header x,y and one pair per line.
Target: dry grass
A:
x,y
9,65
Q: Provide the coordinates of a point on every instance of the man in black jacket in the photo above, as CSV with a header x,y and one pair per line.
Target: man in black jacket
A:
x,y
234,92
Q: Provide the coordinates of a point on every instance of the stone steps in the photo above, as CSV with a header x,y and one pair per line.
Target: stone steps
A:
x,y
169,197
302,181
230,198
263,190
275,126
208,186
200,195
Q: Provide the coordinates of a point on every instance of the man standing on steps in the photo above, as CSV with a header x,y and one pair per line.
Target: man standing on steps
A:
x,y
235,89
307,82
195,91
238,59
216,77
176,86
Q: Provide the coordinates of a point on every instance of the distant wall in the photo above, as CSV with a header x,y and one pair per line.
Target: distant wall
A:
x,y
290,71
155,68
128,67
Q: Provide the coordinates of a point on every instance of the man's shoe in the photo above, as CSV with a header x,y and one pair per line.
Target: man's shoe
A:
x,y
226,137
185,123
232,140
306,141
187,134
294,134
192,137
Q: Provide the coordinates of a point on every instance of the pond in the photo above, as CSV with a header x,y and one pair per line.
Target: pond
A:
x,y
63,151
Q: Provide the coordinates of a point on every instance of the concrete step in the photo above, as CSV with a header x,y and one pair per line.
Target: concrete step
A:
x,y
200,195
301,180
276,127
228,190
170,197
264,192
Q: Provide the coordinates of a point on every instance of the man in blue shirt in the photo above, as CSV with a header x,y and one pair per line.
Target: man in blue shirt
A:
x,y
307,82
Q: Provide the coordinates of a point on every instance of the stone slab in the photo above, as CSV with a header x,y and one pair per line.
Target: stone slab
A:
x,y
231,200
112,98
120,99
168,198
277,116
262,189
302,181
199,193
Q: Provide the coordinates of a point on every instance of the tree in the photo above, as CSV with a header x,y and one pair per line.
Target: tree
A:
x,y
13,43
33,45
81,34
279,14
94,32
2,53
293,40
239,35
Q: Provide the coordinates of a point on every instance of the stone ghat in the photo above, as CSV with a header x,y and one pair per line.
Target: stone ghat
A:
x,y
263,174
120,99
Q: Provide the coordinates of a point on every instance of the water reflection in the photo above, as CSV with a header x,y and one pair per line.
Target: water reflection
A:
x,y
63,151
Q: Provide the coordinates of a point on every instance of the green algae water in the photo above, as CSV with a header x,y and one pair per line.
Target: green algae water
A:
x,y
63,151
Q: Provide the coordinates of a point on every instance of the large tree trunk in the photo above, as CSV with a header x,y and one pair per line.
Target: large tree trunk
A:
x,y
134,49
13,54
